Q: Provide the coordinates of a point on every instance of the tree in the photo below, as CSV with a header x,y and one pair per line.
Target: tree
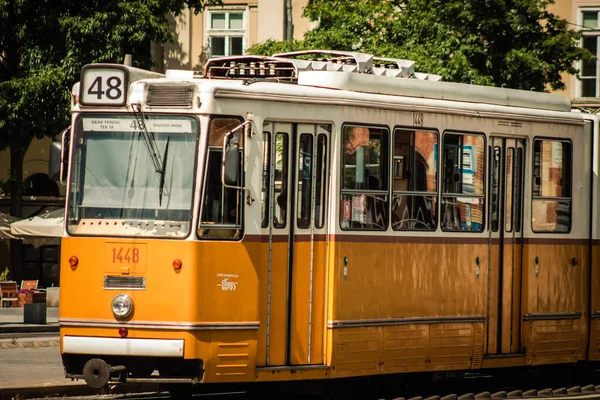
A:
x,y
513,43
44,44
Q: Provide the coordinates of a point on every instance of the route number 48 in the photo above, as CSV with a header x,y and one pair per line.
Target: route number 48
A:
x,y
103,86
113,88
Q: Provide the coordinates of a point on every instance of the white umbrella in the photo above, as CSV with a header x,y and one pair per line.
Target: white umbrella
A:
x,y
5,221
41,229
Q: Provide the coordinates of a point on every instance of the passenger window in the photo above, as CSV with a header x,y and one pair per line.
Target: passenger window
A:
x,y
266,180
495,188
519,189
304,175
414,169
364,197
463,199
321,182
221,207
551,208
281,181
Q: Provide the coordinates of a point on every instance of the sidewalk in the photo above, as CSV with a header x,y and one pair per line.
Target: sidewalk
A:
x,y
11,321
30,358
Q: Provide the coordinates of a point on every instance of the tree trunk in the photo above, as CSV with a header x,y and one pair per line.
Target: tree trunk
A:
x,y
16,209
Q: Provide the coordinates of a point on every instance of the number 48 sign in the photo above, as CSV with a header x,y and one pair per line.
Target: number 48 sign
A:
x,y
103,85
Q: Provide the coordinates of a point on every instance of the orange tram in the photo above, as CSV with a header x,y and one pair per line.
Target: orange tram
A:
x,y
322,214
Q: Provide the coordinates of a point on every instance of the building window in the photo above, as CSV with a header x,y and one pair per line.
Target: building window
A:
x,y
588,71
226,32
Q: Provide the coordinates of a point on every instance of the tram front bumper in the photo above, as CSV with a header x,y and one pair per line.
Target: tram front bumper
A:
x,y
123,346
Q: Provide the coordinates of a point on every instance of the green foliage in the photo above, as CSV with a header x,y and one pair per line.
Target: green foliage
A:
x,y
271,47
44,44
515,43
4,274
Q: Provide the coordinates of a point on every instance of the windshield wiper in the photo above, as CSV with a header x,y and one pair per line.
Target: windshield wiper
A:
x,y
162,173
148,139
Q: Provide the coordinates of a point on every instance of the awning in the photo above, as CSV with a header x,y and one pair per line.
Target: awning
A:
x,y
5,221
42,229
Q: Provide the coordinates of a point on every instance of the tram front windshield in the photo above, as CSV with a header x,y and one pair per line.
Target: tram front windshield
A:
x,y
132,176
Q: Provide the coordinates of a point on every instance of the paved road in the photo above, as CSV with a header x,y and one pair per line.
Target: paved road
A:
x,y
31,366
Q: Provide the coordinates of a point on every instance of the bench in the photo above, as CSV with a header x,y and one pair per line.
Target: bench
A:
x,y
9,294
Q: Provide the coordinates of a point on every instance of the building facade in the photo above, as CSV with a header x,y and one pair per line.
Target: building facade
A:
x,y
229,29
583,15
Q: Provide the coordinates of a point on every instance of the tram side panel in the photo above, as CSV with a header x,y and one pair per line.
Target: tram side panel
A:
x,y
592,131
556,252
403,301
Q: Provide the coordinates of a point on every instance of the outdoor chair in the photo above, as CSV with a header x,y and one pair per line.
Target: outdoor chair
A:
x,y
9,294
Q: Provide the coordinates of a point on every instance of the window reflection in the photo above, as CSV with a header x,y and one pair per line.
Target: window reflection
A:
x,y
551,209
364,203
414,180
463,183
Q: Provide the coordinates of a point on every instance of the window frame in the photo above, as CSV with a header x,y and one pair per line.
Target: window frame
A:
x,y
569,172
436,194
443,193
208,149
588,32
225,33
385,155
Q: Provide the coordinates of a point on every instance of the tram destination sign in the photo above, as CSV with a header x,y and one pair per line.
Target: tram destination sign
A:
x,y
129,124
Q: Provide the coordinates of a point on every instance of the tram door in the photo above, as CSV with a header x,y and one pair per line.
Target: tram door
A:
x,y
298,168
506,171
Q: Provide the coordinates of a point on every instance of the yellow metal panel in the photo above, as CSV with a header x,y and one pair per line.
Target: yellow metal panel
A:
x,y
405,348
300,303
553,342
357,351
378,272
555,274
232,357
451,346
278,318
318,307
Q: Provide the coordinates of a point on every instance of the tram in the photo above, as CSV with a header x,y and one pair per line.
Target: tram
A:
x,y
322,214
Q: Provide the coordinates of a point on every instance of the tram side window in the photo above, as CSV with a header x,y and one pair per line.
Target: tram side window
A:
x,y
304,175
551,206
221,207
281,181
463,198
266,180
321,182
414,170
364,187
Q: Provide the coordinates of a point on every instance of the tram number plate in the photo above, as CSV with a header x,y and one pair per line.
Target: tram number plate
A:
x,y
122,254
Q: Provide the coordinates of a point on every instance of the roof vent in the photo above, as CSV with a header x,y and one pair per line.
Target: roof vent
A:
x,y
170,96
287,66
249,67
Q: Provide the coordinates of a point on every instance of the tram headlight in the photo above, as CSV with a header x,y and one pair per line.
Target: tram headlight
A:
x,y
122,306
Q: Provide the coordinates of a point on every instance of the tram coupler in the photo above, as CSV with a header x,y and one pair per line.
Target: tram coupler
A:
x,y
96,373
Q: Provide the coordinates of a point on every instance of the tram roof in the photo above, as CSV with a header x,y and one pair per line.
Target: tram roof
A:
x,y
360,72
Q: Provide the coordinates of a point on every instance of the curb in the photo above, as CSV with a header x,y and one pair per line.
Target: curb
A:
x,y
29,328
73,389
